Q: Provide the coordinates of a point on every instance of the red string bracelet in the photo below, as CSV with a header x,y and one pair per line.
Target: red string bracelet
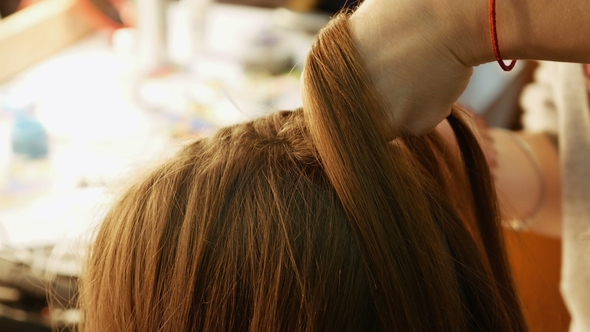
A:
x,y
494,34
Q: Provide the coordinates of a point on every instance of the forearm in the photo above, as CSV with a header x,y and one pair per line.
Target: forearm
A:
x,y
527,29
531,29
528,186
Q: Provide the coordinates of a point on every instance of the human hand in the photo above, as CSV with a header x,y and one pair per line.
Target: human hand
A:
x,y
414,53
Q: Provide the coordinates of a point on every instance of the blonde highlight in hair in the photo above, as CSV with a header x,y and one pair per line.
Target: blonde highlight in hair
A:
x,y
310,220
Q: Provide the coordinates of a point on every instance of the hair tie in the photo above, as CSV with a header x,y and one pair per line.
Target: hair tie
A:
x,y
494,34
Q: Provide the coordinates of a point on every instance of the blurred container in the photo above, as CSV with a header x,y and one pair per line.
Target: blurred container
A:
x,y
27,169
29,137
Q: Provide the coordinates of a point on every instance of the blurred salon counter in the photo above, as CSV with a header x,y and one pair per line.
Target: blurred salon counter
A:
x,y
106,122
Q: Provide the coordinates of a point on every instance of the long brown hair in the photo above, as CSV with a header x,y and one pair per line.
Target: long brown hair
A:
x,y
310,220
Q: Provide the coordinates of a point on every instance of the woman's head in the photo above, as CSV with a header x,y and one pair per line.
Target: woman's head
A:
x,y
239,232
305,221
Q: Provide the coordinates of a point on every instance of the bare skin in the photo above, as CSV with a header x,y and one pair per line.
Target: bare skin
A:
x,y
420,53
527,193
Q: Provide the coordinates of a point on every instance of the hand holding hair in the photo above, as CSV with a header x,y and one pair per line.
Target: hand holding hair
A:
x,y
403,45
420,53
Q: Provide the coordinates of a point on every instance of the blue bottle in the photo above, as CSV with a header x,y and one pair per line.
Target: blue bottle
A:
x,y
29,137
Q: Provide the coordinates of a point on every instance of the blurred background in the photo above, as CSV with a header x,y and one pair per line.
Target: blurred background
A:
x,y
91,91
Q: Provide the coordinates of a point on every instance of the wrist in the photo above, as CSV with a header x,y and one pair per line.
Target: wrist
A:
x,y
465,29
468,34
